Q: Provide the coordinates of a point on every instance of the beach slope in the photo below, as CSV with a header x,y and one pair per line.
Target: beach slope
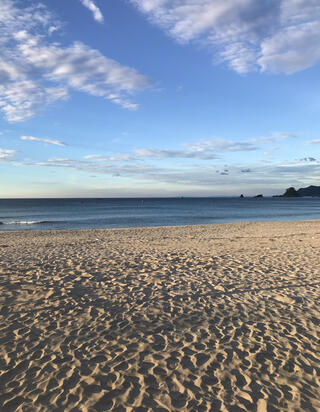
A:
x,y
199,318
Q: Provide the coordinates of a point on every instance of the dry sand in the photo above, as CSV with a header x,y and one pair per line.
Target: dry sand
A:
x,y
202,318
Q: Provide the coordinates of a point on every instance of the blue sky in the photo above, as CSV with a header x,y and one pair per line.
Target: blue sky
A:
x,y
108,98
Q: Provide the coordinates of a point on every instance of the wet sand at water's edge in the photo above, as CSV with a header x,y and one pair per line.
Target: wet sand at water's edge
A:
x,y
198,318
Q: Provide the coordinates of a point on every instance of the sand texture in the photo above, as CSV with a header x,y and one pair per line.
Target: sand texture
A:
x,y
202,318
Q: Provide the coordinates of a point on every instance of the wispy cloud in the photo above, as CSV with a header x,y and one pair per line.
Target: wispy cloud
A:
x,y
34,72
284,135
203,150
271,36
275,137
97,15
143,154
317,141
271,151
174,154
6,154
43,140
223,145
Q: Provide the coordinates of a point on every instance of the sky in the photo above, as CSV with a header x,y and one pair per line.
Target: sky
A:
x,y
131,98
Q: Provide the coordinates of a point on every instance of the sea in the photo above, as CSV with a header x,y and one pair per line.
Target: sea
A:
x,y
43,214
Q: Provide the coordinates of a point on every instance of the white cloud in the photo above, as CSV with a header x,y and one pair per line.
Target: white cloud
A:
x,y
22,98
35,73
6,154
97,15
291,50
144,153
43,140
284,135
272,35
223,145
317,141
203,150
274,137
85,69
174,154
113,158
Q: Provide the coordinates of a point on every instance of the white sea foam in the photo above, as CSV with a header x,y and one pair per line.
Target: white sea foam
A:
x,y
23,222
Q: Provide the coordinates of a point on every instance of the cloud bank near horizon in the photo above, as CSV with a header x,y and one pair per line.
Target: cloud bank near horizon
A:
x,y
196,177
206,165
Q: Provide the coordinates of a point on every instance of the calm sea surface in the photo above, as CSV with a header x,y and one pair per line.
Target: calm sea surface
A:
x,y
35,214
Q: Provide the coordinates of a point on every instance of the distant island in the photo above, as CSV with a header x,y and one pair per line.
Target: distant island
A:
x,y
313,191
291,192
309,191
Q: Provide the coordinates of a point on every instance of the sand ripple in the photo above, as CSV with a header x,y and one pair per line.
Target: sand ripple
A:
x,y
205,318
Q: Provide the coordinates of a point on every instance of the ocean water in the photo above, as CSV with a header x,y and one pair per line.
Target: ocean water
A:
x,y
36,214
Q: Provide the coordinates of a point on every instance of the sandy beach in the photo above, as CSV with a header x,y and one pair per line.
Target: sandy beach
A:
x,y
199,318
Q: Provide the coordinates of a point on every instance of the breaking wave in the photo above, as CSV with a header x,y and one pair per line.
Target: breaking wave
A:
x,y
26,222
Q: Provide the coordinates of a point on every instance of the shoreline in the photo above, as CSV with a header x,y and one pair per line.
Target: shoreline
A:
x,y
241,222
203,317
